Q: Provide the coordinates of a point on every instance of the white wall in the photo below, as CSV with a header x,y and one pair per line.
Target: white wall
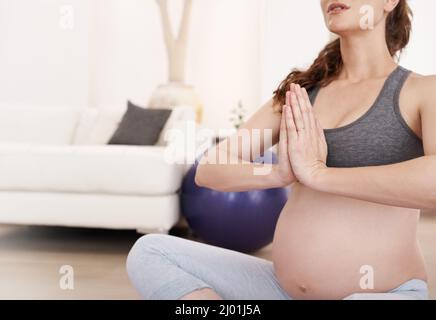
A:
x,y
41,62
224,58
239,50
129,58
293,34
421,53
126,52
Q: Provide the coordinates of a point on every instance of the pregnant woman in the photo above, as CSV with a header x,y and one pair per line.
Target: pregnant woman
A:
x,y
357,142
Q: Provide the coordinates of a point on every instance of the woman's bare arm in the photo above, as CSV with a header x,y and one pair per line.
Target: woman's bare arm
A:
x,y
228,166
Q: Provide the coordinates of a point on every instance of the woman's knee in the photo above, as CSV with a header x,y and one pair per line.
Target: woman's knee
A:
x,y
144,251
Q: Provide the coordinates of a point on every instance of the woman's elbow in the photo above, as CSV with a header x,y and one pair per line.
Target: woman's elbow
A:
x,y
428,203
201,177
205,177
431,197
432,204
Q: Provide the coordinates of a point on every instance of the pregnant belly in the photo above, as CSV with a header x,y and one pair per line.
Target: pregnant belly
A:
x,y
328,247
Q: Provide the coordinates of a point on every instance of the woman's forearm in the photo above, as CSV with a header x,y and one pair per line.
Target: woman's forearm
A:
x,y
237,178
410,184
229,173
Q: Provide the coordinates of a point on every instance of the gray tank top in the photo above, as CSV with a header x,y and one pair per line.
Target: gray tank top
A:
x,y
380,137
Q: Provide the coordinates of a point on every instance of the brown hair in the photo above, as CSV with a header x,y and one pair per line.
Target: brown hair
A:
x,y
328,64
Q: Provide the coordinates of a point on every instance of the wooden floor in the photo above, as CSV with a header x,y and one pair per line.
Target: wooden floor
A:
x,y
30,259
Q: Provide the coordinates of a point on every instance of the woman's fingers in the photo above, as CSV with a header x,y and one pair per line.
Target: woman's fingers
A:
x,y
306,97
288,123
284,122
283,142
319,128
321,133
312,119
291,128
297,114
300,98
291,87
305,111
288,99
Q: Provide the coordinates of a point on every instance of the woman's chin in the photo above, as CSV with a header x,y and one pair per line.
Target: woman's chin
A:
x,y
338,26
341,28
338,29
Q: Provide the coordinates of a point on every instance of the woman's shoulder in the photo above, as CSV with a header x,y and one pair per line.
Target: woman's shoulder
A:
x,y
420,81
421,89
421,84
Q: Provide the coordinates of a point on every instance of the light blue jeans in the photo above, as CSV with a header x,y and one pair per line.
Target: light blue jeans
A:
x,y
164,267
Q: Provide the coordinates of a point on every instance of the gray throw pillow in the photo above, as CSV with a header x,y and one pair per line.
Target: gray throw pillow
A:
x,y
140,127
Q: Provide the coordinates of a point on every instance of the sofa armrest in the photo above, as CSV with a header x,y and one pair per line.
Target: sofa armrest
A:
x,y
89,169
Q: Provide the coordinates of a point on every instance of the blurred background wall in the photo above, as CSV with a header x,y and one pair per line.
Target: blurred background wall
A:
x,y
100,53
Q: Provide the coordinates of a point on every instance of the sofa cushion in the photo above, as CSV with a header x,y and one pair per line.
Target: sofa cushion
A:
x,y
88,169
140,127
97,126
87,122
104,126
21,124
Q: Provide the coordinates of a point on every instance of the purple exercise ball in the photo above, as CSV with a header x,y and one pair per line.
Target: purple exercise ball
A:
x,y
240,221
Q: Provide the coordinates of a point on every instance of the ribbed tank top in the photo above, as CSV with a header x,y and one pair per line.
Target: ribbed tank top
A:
x,y
380,137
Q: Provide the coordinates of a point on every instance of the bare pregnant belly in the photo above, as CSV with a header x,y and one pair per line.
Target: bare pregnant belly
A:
x,y
328,247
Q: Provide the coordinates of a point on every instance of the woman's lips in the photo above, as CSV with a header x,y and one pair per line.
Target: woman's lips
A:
x,y
337,7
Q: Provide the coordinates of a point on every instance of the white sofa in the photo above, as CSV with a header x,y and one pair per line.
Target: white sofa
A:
x,y
56,170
